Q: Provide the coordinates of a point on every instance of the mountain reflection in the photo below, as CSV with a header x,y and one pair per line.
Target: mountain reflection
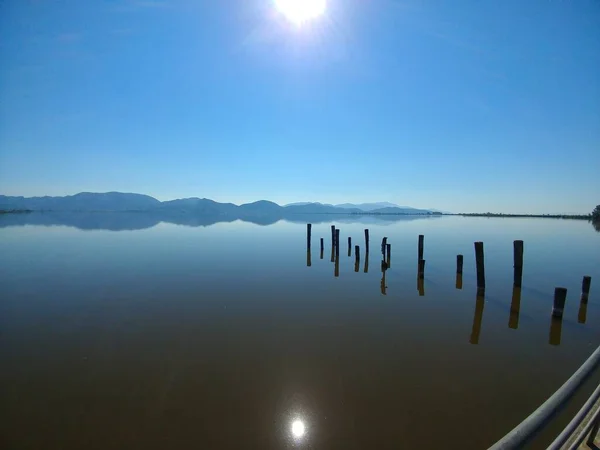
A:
x,y
126,221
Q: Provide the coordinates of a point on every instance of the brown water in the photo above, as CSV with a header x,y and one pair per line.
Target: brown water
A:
x,y
222,337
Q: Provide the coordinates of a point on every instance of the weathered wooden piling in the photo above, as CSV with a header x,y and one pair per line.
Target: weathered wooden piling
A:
x,y
477,318
421,239
308,258
515,307
421,273
367,262
518,262
332,243
480,264
560,296
459,264
585,288
336,270
349,246
367,240
356,258
421,287
389,255
383,246
337,244
322,248
459,281
308,235
555,330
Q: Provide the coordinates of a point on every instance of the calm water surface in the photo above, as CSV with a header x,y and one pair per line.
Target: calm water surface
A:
x,y
221,337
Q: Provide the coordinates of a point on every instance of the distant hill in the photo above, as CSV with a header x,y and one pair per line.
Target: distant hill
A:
x,y
84,201
400,210
368,206
262,207
118,201
318,208
306,203
196,206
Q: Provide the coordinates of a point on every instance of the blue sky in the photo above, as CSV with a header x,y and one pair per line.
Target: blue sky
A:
x,y
456,105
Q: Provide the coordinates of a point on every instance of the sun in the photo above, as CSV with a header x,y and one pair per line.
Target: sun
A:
x,y
300,11
298,428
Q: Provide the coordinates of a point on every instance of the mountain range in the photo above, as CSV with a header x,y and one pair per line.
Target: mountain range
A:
x,y
118,201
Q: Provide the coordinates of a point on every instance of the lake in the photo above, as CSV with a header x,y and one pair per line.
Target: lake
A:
x,y
220,336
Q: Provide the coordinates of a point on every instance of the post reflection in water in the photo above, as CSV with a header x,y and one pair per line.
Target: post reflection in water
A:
x,y
515,306
421,278
383,271
459,281
336,271
477,318
367,262
582,315
555,330
308,259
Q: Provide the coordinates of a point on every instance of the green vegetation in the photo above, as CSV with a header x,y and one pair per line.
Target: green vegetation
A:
x,y
596,214
546,216
15,211
377,213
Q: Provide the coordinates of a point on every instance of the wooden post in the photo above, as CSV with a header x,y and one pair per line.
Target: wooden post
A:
x,y
555,330
477,318
383,246
515,307
322,247
518,262
308,235
389,255
367,262
585,288
459,281
356,258
560,296
459,264
421,238
479,261
421,274
308,260
332,243
421,287
349,246
367,240
336,271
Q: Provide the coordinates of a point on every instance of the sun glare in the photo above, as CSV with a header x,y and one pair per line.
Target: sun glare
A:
x,y
300,11
298,428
